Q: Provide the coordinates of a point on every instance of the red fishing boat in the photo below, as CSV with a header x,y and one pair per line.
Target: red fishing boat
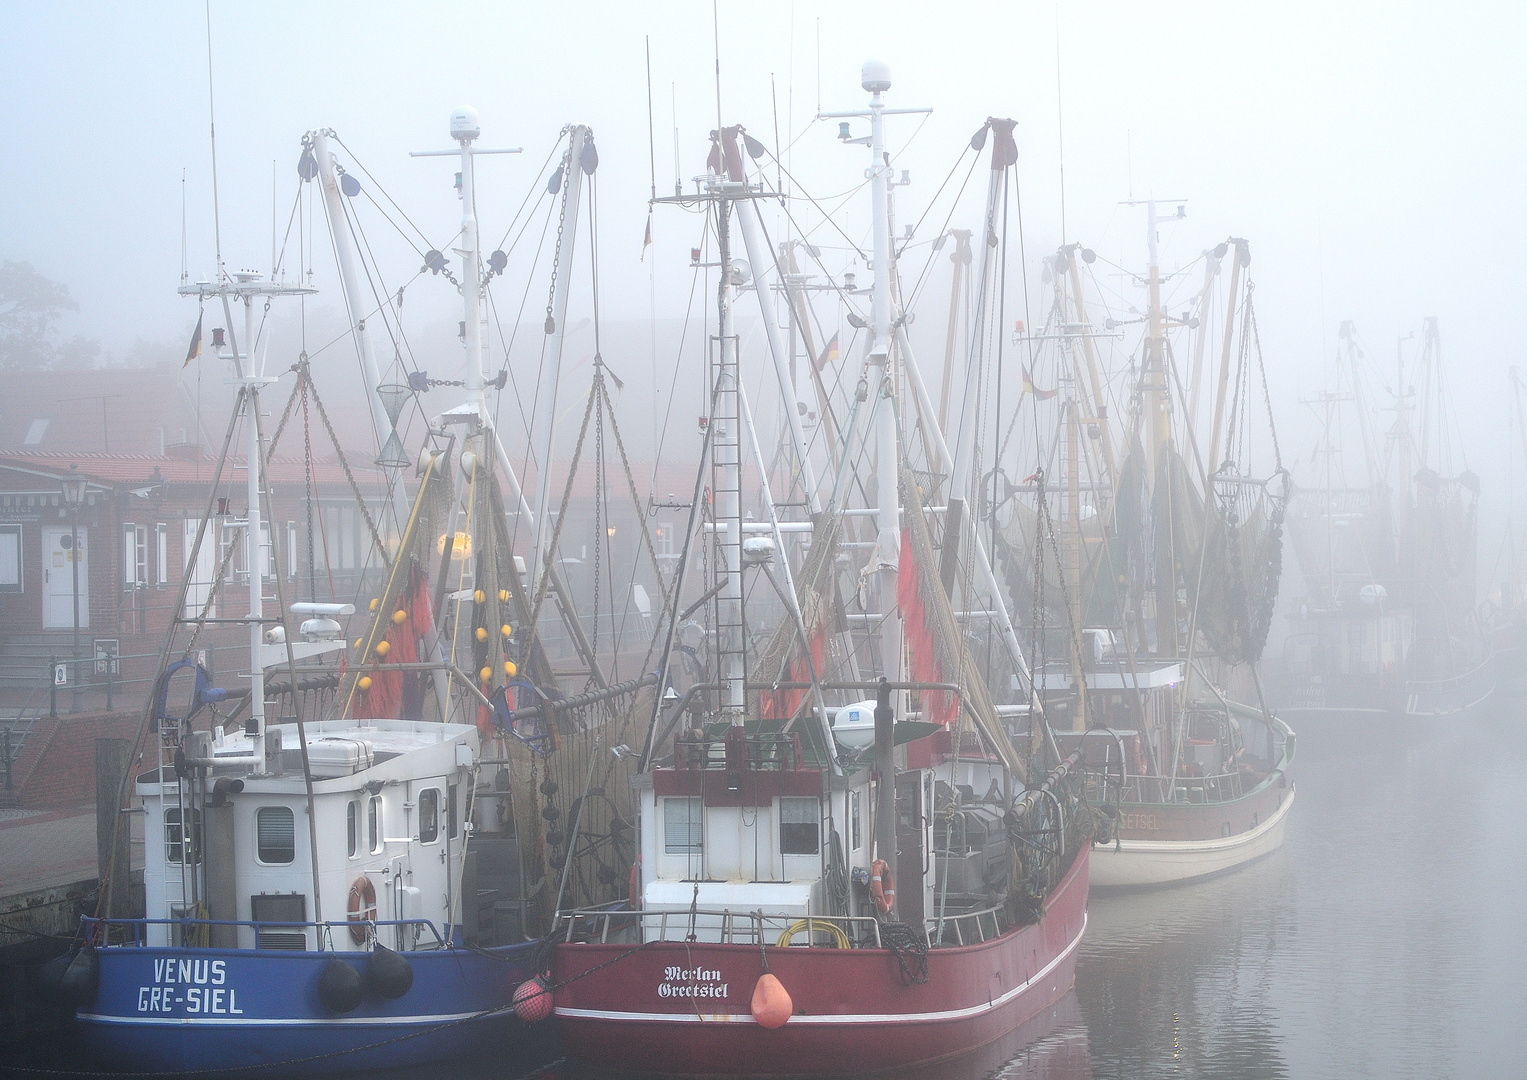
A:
x,y
836,874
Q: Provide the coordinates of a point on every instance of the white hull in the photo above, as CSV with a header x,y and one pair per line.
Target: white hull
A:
x,y
1132,864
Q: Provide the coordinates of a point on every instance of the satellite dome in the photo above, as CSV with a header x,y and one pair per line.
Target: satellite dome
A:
x,y
465,124
875,76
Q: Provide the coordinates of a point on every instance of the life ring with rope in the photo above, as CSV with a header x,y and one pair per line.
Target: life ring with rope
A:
x,y
362,908
882,887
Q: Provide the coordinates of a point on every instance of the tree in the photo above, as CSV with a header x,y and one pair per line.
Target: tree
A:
x,y
29,306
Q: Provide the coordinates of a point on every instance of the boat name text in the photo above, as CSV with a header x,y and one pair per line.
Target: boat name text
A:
x,y
696,982
195,984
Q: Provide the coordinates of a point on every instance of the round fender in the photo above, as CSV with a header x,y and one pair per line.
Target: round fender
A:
x,y
532,1000
340,987
388,975
78,983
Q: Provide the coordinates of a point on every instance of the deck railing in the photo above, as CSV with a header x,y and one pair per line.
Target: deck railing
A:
x,y
752,927
133,932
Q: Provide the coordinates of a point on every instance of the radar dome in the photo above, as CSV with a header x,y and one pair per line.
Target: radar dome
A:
x,y
875,76
465,124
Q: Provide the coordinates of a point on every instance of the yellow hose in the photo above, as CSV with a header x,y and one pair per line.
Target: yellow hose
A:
x,y
839,938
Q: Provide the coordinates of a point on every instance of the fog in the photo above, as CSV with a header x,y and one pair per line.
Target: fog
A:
x,y
1372,154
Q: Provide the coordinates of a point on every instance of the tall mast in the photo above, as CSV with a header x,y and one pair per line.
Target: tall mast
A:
x,y
726,463
875,77
1004,152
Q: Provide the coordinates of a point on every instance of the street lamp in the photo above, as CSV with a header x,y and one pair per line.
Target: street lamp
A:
x,y
74,495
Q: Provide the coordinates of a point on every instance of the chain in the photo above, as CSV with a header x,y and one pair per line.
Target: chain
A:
x,y
568,165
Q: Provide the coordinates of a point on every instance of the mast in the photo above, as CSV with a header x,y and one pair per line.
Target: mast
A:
x,y
344,252
726,464
875,77
765,274
1004,152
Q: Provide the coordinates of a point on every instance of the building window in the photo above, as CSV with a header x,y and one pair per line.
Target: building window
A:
x,y
683,826
35,431
291,551
275,835
352,828
176,850
662,540
161,554
429,815
855,836
134,555
798,830
10,558
374,824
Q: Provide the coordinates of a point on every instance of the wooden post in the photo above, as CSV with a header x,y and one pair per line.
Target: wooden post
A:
x,y
112,761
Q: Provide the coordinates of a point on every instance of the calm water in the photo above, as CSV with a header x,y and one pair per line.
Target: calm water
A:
x,y
1387,939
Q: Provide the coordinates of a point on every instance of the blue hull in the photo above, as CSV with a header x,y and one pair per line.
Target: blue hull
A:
x,y
183,1010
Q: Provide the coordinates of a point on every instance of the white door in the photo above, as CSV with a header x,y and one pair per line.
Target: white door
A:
x,y
58,579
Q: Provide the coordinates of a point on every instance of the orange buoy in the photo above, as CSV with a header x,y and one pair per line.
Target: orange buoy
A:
x,y
480,597
882,888
503,596
363,683
482,633
509,668
506,630
486,674
532,1000
383,648
771,1003
399,617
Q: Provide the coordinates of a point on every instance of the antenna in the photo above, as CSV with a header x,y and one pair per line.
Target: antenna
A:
x,y
1060,128
217,224
673,100
185,271
651,139
715,17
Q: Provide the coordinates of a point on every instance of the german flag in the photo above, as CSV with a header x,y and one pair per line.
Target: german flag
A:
x,y
195,350
1039,395
829,354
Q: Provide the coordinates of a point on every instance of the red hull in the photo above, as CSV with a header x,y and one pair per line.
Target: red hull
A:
x,y
683,1009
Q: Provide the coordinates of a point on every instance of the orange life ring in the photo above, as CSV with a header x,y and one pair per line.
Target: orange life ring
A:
x,y
882,887
362,908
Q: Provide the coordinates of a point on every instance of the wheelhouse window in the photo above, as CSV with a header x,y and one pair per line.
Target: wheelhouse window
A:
x,y
429,815
178,847
450,811
683,826
352,828
799,831
275,835
374,824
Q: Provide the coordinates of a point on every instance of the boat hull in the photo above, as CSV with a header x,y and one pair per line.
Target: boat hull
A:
x,y
1134,862
683,1008
176,1010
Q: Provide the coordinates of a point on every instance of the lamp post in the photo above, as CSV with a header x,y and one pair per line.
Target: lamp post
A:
x,y
74,495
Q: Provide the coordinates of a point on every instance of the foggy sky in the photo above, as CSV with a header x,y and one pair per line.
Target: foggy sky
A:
x,y
1373,154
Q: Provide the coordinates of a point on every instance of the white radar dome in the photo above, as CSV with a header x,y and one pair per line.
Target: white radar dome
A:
x,y
854,725
465,124
875,76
